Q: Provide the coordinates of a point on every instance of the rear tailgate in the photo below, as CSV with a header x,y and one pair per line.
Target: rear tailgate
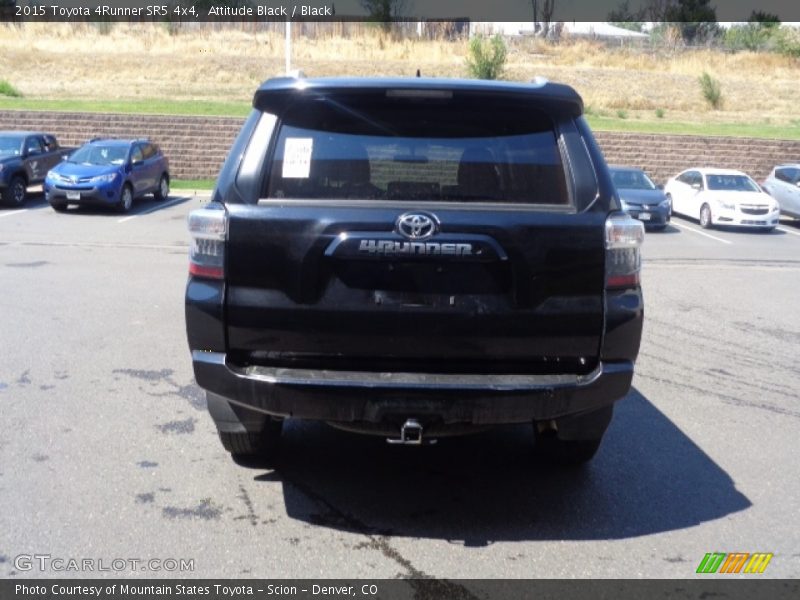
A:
x,y
419,235
532,303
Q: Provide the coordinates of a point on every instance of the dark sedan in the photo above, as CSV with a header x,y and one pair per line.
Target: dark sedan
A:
x,y
640,197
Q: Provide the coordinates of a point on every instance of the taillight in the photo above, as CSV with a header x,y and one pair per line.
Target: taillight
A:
x,y
208,230
624,237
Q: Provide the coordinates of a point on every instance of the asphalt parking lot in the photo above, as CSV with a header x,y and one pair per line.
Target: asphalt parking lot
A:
x,y
107,451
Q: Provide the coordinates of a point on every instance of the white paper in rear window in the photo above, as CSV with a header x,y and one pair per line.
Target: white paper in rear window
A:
x,y
297,158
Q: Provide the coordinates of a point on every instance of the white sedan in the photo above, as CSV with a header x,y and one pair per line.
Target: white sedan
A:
x,y
721,197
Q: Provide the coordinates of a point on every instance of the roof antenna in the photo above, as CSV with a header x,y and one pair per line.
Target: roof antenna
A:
x,y
418,73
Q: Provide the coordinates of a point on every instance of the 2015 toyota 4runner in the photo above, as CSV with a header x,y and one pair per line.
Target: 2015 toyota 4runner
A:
x,y
414,258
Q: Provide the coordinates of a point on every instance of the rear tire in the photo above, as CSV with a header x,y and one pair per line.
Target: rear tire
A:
x,y
162,193
252,444
705,217
564,453
14,194
575,439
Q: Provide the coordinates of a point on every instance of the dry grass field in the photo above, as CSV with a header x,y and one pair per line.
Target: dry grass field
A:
x,y
143,62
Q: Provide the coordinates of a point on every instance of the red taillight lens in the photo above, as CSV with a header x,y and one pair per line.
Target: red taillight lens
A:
x,y
624,237
208,230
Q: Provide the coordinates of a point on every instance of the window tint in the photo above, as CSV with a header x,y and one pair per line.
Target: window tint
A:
x,y
685,178
417,153
10,145
136,153
148,151
789,175
34,145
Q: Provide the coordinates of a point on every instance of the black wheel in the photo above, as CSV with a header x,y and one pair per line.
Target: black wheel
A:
x,y
246,444
162,193
574,440
125,199
566,453
705,217
14,194
59,206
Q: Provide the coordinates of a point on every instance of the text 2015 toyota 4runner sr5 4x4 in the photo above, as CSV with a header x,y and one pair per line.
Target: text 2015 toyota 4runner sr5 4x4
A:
x,y
414,258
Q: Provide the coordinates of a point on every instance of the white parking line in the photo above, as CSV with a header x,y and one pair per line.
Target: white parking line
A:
x,y
13,212
154,209
692,229
788,231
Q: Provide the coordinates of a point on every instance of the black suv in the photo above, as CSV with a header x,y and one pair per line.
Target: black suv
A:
x,y
414,258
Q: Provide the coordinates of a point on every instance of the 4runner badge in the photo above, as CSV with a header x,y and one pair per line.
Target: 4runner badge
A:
x,y
417,226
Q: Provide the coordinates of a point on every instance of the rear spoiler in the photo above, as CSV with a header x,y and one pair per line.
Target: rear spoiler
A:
x,y
275,95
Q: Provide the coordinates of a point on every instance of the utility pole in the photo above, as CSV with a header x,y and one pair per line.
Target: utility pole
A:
x,y
288,46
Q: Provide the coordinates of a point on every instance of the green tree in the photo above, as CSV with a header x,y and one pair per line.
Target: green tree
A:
x,y
542,16
384,11
487,58
696,19
711,89
758,33
788,41
627,18
766,19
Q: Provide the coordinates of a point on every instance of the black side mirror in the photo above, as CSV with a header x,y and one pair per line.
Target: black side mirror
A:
x,y
660,186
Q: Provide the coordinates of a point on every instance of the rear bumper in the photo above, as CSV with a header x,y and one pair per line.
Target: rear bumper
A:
x,y
353,396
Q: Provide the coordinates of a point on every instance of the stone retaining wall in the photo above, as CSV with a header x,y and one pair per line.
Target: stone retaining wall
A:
x,y
197,146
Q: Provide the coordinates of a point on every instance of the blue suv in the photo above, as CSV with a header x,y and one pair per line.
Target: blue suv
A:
x,y
108,172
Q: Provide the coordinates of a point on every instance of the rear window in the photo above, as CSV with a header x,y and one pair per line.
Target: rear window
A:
x,y
456,150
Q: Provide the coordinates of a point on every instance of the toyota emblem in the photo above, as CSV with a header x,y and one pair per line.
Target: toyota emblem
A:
x,y
416,226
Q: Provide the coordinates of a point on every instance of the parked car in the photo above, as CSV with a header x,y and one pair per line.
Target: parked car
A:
x,y
722,197
109,172
25,159
783,184
641,197
414,258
